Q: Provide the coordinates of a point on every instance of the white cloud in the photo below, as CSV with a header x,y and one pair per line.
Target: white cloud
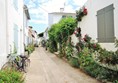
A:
x,y
79,2
69,8
30,4
38,21
39,9
54,5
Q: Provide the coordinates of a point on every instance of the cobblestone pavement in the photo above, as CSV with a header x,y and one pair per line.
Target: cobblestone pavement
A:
x,y
45,67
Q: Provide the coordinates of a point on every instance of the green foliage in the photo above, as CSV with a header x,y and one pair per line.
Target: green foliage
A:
x,y
116,81
52,45
88,64
94,46
74,62
80,13
69,51
11,76
108,57
60,32
15,49
116,43
87,38
30,48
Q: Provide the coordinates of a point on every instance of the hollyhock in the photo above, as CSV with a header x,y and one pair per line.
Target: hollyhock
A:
x,y
94,45
85,11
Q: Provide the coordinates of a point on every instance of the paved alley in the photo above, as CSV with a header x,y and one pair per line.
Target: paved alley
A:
x,y
47,68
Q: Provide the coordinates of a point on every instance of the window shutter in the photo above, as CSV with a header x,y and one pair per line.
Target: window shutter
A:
x,y
105,24
109,23
101,25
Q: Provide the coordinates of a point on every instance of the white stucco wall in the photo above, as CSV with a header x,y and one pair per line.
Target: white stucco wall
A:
x,y
8,17
45,35
89,22
3,34
25,24
56,17
15,17
20,12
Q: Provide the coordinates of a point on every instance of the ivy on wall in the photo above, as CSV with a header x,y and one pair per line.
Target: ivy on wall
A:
x,y
60,31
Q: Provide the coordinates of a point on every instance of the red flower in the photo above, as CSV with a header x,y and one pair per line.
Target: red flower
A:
x,y
85,11
75,32
94,45
85,36
84,39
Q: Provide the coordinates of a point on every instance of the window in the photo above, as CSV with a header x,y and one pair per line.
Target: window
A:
x,y
105,24
64,16
71,16
15,2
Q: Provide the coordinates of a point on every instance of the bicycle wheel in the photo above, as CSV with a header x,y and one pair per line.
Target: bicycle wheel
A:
x,y
14,66
5,66
26,64
8,65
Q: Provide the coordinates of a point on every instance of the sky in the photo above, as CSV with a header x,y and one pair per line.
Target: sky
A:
x,y
39,9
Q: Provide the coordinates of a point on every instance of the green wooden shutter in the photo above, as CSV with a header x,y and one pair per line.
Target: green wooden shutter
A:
x,y
101,25
109,23
105,24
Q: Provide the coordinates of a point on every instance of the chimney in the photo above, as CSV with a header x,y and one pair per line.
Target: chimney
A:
x,y
61,9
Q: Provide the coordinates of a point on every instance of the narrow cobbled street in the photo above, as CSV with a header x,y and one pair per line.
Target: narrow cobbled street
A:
x,y
47,68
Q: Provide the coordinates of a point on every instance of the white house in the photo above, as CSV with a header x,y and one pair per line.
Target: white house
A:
x,y
45,35
55,17
26,18
101,22
15,26
12,28
3,33
35,38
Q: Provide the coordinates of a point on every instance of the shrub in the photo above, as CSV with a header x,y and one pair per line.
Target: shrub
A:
x,y
87,38
74,62
52,45
88,64
116,43
108,57
60,32
116,81
11,76
30,48
69,51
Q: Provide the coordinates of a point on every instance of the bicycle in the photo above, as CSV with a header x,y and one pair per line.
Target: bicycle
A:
x,y
17,62
25,62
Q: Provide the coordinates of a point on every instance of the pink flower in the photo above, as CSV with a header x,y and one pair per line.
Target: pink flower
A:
x,y
85,11
94,45
75,32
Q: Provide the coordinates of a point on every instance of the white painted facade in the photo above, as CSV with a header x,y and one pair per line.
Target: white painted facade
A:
x,y
26,18
45,35
15,26
3,33
35,38
11,22
55,17
89,22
